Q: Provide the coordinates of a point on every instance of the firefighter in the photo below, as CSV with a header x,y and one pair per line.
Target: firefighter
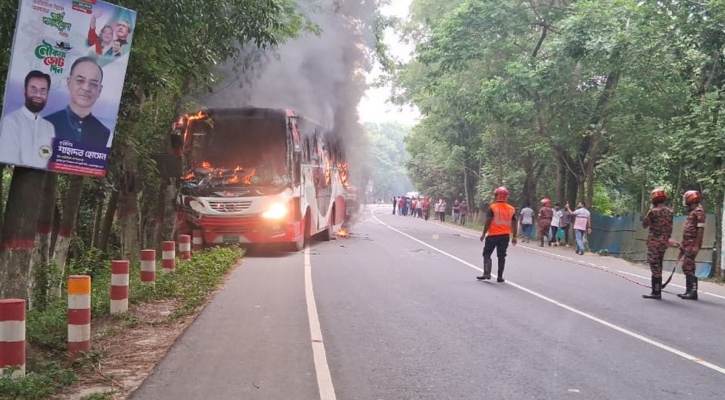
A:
x,y
546,214
692,234
498,230
659,222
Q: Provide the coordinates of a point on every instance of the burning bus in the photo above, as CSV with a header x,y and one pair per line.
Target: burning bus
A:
x,y
258,175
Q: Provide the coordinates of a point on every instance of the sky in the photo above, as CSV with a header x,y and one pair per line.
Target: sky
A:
x,y
375,106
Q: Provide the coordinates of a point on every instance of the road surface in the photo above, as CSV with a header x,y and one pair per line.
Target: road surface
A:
x,y
394,312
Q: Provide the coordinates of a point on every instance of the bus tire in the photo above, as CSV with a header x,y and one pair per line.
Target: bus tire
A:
x,y
300,244
326,235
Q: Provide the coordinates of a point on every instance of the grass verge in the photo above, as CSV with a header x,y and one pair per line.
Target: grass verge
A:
x,y
48,370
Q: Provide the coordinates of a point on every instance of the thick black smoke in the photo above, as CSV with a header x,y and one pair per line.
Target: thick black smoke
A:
x,y
321,77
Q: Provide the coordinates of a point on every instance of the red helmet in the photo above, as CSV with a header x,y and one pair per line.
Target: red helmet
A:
x,y
546,202
658,195
691,197
501,194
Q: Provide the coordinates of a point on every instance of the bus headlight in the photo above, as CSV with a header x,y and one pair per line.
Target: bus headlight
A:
x,y
276,211
196,206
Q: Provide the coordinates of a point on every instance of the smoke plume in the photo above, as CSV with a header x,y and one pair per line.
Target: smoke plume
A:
x,y
321,77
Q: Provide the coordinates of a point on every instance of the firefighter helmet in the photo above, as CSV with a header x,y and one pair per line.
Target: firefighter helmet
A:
x,y
546,202
658,195
501,194
691,197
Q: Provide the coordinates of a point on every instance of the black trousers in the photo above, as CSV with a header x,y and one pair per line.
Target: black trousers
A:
x,y
500,243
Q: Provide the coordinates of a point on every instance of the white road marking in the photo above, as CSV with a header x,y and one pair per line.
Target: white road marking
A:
x,y
590,317
322,369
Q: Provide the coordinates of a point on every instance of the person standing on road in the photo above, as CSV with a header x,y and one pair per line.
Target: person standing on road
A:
x,y
659,222
500,226
555,221
564,225
527,222
463,208
582,224
692,234
395,203
544,220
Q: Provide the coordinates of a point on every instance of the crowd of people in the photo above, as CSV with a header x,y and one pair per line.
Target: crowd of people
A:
x,y
553,224
421,207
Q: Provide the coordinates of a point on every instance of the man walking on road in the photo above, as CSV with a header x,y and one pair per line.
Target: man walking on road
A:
x,y
582,224
659,222
692,235
500,226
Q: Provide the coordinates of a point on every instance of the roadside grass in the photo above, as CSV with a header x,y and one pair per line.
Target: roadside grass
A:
x,y
48,370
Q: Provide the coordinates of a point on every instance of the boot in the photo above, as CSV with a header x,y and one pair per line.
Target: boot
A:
x,y
691,292
486,270
656,289
501,265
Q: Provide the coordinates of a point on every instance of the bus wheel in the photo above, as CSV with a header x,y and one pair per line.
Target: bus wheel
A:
x,y
300,244
326,235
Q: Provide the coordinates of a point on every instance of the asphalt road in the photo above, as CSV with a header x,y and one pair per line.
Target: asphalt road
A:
x,y
403,317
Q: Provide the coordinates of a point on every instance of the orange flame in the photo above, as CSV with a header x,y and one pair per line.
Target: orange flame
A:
x,y
205,165
342,233
234,179
344,177
188,176
248,177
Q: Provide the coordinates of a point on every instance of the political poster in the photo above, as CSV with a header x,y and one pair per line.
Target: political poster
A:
x,y
64,86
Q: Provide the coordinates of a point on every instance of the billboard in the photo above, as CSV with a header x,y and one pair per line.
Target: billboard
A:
x,y
64,85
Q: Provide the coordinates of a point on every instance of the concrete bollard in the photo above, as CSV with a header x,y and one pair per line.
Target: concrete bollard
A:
x,y
119,286
184,247
79,315
168,256
198,240
148,265
12,336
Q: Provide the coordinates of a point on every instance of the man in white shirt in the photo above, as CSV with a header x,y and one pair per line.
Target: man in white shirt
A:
x,y
26,138
582,224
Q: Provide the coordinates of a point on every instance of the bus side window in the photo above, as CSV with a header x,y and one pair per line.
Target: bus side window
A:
x,y
307,150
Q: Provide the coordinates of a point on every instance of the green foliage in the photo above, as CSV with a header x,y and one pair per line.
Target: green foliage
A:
x,y
388,157
36,385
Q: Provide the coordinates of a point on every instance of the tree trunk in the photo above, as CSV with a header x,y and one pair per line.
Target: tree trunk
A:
x,y
2,195
97,219
128,206
71,205
108,219
572,187
41,255
560,181
18,234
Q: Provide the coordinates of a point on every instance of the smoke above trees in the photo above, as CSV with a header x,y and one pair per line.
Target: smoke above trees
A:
x,y
320,76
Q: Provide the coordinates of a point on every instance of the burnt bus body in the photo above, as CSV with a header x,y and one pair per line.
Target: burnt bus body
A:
x,y
257,175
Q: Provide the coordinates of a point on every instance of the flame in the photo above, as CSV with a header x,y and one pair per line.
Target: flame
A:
x,y
248,177
205,165
328,172
342,232
199,115
344,177
234,179
188,176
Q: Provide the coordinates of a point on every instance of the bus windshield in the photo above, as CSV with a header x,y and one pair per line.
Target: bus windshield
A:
x,y
237,151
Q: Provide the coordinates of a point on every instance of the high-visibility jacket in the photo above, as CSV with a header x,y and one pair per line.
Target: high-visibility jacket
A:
x,y
503,215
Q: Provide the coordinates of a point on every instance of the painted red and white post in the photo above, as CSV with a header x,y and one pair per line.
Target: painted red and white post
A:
x,y
119,286
184,247
12,336
168,256
148,265
79,315
198,240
